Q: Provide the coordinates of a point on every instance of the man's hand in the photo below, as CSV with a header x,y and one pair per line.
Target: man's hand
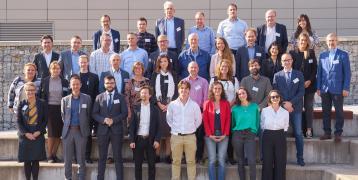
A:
x,y
132,145
307,83
345,93
288,106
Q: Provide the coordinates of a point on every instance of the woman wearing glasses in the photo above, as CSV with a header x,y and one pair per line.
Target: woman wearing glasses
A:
x,y
274,123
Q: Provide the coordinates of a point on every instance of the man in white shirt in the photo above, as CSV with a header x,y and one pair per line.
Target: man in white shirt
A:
x,y
99,58
184,117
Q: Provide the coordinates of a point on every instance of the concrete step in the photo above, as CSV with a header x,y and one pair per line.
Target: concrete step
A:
x,y
12,170
315,151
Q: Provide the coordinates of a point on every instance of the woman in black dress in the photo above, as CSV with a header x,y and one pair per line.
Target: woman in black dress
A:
x,y
164,83
31,121
272,64
53,88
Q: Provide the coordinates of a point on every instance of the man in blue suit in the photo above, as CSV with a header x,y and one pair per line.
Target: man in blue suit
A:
x,y
172,27
333,81
105,23
290,83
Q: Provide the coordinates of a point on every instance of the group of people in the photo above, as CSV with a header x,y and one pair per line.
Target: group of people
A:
x,y
221,91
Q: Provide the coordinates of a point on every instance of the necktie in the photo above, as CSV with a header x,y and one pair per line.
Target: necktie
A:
x,y
288,78
32,114
110,102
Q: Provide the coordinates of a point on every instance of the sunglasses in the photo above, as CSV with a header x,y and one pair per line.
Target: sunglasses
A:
x,y
275,97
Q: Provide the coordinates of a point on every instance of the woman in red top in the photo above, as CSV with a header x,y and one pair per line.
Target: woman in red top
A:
x,y
216,119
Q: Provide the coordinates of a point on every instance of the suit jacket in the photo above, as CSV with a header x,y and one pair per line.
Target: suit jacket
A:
x,y
282,39
44,88
242,60
40,62
118,113
308,66
336,77
154,131
115,38
269,69
293,92
209,117
125,78
153,60
84,114
160,28
66,63
23,114
92,84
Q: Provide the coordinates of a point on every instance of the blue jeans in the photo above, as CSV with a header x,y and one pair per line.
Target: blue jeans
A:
x,y
221,148
337,99
296,121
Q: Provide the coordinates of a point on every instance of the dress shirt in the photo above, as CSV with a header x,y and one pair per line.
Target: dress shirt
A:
x,y
203,60
144,122
147,42
206,38
272,120
129,57
233,32
258,89
251,51
169,24
99,61
75,111
47,57
111,47
270,36
75,65
229,88
199,89
332,53
183,118
118,77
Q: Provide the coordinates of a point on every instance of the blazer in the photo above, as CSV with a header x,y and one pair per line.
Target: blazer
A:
x,y
40,62
44,88
282,39
294,92
23,114
153,60
308,66
160,28
118,113
84,114
115,38
336,77
153,81
242,60
269,69
92,84
209,117
154,128
125,78
66,63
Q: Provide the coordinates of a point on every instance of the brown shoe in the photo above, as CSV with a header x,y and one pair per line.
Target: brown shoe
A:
x,y
337,138
325,137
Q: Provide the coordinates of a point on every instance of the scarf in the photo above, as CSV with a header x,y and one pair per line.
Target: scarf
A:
x,y
171,86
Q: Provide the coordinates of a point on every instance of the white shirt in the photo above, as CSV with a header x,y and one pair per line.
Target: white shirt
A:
x,y
229,88
144,122
270,36
48,58
183,118
272,120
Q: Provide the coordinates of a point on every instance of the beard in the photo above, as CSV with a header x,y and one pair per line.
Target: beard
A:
x,y
254,72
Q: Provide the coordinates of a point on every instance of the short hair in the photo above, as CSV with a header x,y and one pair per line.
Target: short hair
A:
x,y
84,57
76,37
46,37
200,13
75,76
248,98
271,10
274,44
332,35
54,63
252,61
114,55
138,64
132,33
109,77
193,34
211,95
29,84
184,83
150,89
107,16
143,19
30,64
233,5
269,96
252,30
157,63
104,35
166,3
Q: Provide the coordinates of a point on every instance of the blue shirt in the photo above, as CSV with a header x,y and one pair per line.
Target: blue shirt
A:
x,y
203,60
75,112
129,57
75,65
251,51
332,53
169,23
233,32
206,38
118,77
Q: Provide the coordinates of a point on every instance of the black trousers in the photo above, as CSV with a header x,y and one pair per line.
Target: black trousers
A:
x,y
93,126
274,155
200,133
142,145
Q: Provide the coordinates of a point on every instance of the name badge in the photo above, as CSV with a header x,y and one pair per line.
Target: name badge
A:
x,y
178,29
255,89
84,105
116,101
197,87
147,40
116,40
310,61
137,89
64,89
277,34
166,81
87,83
24,108
296,80
171,60
336,62
150,60
258,54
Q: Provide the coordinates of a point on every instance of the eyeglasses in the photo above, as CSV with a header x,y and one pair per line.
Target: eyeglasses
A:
x,y
275,97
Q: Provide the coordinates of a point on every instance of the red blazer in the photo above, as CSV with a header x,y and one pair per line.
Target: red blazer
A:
x,y
209,117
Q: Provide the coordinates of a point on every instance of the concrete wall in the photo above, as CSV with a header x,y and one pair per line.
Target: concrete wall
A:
x,y
82,16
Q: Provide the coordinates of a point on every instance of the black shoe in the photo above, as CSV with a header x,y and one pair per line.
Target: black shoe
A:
x,y
325,137
232,161
56,159
168,160
157,159
50,159
301,162
89,161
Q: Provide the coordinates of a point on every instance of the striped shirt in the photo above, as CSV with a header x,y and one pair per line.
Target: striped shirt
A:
x,y
99,62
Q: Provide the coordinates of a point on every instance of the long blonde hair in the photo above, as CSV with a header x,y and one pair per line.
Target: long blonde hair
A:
x,y
230,72
306,52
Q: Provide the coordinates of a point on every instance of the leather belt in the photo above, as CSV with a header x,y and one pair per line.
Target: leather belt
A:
x,y
75,127
181,134
143,137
